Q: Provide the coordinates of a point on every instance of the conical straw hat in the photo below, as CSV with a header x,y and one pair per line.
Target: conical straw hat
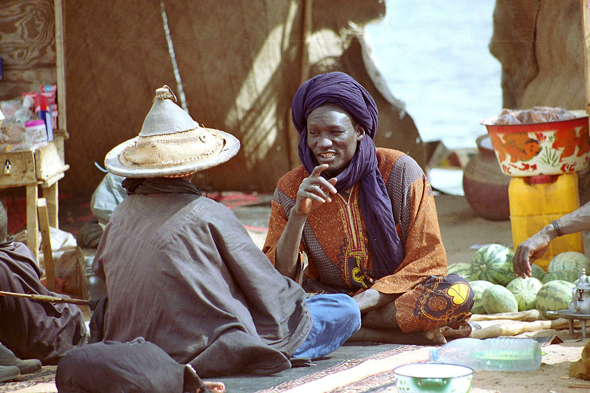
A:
x,y
170,144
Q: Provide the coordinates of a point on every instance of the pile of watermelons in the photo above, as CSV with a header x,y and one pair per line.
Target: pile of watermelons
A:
x,y
497,289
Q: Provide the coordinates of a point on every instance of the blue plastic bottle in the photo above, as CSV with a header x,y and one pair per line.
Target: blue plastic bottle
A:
x,y
492,354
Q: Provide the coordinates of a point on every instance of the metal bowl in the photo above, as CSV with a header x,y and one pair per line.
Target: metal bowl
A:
x,y
433,378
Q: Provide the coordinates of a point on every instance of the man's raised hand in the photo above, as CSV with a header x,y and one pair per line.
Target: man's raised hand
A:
x,y
314,191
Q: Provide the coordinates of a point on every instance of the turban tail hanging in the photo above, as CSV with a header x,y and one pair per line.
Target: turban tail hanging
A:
x,y
342,90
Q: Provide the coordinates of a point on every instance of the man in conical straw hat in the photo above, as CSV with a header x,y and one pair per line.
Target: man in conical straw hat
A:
x,y
182,272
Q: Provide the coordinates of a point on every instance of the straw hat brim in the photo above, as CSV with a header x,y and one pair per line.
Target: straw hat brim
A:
x,y
231,146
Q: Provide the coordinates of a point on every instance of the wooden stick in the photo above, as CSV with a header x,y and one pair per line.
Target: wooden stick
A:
x,y
50,299
513,328
529,315
579,385
32,220
46,243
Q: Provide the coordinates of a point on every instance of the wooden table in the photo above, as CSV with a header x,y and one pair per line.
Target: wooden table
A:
x,y
34,169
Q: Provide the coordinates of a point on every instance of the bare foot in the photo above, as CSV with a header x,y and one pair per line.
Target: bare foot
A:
x,y
217,387
436,336
464,330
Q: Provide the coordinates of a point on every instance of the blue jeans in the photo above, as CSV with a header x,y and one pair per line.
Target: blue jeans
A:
x,y
335,318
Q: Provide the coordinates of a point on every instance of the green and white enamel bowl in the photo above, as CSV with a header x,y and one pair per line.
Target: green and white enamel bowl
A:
x,y
433,378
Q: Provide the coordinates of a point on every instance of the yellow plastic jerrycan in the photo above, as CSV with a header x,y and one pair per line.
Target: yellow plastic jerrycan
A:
x,y
536,201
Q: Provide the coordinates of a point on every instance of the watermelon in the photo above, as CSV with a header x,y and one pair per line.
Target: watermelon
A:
x,y
493,263
461,268
565,275
537,272
497,298
569,260
478,286
525,291
554,295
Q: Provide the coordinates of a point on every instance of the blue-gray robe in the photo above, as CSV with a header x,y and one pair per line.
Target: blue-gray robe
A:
x,y
182,272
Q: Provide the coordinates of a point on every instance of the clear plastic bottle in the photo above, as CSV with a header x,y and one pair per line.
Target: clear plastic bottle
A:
x,y
492,354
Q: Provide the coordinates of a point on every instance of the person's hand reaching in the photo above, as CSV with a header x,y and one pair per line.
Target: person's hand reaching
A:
x,y
528,251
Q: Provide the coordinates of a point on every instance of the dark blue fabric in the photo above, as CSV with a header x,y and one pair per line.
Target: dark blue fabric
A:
x,y
340,89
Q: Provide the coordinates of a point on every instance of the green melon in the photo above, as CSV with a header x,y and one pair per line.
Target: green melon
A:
x,y
478,286
565,275
525,291
493,263
461,268
497,298
554,295
570,260
538,272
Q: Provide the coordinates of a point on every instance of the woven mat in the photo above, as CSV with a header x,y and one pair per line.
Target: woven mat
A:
x,y
342,367
45,375
353,368
373,373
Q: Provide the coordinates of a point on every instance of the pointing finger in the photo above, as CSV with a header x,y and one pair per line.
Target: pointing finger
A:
x,y
317,171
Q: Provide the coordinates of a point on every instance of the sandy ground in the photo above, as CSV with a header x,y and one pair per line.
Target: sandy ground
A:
x,y
463,230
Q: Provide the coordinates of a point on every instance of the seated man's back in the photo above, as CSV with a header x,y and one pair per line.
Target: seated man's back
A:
x,y
182,272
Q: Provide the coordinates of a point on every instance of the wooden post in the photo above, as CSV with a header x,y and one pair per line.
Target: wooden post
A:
x,y
46,243
60,64
32,222
306,29
51,195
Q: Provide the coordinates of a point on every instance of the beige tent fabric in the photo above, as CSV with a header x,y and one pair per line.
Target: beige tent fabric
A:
x,y
240,66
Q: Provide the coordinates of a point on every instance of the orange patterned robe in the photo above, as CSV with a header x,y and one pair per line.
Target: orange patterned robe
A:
x,y
336,243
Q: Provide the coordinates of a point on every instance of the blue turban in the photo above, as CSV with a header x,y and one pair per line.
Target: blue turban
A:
x,y
342,90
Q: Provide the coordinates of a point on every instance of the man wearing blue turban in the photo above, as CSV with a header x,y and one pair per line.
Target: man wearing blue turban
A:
x,y
361,220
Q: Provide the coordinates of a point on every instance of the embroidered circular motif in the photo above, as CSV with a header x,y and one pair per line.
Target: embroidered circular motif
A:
x,y
437,303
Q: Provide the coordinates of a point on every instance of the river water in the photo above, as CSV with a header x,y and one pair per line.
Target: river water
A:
x,y
434,56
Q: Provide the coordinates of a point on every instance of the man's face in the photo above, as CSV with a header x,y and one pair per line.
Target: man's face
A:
x,y
332,137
